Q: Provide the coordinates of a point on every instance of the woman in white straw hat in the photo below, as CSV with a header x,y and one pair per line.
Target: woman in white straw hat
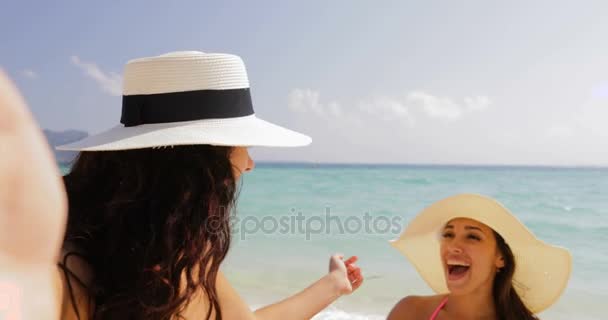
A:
x,y
150,201
482,262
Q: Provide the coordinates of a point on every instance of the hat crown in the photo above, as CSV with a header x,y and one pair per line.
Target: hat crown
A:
x,y
182,71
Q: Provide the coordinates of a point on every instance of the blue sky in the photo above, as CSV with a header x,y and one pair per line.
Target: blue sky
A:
x,y
393,81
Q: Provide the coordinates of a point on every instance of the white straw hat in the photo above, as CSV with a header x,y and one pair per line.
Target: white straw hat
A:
x,y
186,98
542,270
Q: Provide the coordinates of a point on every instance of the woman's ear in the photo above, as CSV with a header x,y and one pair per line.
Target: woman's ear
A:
x,y
500,261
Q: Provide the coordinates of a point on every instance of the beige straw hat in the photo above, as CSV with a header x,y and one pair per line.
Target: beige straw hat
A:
x,y
186,98
542,270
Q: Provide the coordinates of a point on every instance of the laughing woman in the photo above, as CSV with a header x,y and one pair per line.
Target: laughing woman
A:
x,y
482,262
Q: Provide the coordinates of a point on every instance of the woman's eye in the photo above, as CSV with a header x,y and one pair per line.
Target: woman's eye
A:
x,y
474,237
447,235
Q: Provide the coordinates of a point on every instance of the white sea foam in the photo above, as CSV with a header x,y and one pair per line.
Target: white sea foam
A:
x,y
332,313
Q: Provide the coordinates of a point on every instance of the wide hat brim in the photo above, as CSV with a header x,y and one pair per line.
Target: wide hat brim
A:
x,y
542,270
245,131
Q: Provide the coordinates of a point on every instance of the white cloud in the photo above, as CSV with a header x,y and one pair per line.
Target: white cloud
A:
x,y
437,107
307,101
433,106
396,108
29,73
386,108
476,103
110,83
419,127
334,109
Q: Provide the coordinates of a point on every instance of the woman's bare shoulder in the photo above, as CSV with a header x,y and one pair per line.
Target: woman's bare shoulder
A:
x,y
415,307
73,278
231,304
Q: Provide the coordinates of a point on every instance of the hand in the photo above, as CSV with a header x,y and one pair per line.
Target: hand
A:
x,y
32,213
346,274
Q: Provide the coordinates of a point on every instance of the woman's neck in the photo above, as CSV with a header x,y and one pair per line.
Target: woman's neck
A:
x,y
475,305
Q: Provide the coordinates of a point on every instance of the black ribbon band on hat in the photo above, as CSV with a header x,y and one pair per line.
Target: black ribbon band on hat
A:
x,y
185,106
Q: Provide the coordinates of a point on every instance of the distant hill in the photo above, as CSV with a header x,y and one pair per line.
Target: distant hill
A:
x,y
57,138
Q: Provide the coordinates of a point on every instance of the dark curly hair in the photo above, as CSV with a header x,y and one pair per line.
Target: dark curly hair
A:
x,y
146,221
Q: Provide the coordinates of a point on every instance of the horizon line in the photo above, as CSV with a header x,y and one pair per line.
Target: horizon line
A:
x,y
313,164
415,164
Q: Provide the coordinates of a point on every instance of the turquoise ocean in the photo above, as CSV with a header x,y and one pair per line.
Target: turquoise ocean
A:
x,y
291,217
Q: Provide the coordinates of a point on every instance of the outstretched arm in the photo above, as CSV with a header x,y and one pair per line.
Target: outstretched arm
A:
x,y
343,278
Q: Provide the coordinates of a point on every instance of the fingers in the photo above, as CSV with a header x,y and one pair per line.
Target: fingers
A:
x,y
356,284
355,276
354,272
351,260
347,270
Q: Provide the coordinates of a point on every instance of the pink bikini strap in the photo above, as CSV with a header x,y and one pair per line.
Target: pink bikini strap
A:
x,y
443,302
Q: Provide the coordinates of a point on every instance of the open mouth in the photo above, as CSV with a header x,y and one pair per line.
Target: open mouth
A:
x,y
457,270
